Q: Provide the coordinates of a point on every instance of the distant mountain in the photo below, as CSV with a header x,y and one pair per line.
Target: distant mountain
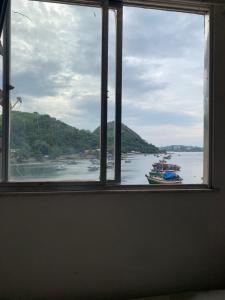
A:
x,y
130,140
181,148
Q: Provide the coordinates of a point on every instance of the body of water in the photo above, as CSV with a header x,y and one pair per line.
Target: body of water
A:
x,y
191,164
133,169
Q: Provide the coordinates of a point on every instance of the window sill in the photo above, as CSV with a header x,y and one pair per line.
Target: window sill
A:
x,y
13,188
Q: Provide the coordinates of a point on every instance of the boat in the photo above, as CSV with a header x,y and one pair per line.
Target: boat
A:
x,y
128,161
167,156
71,162
93,168
162,165
110,164
60,167
167,177
95,161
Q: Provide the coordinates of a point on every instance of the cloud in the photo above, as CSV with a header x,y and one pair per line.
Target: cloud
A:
x,y
173,87
151,117
159,33
164,135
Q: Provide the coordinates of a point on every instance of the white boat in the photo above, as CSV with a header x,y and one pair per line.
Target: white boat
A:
x,y
71,162
60,167
95,161
93,168
110,164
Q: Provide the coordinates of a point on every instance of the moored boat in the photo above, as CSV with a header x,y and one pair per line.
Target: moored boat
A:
x,y
71,162
93,168
127,161
60,167
163,166
95,161
110,164
167,177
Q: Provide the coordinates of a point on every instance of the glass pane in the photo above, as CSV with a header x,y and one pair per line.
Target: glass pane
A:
x,y
55,105
163,71
111,97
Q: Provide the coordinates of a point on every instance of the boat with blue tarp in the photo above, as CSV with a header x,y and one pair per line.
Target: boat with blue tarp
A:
x,y
163,177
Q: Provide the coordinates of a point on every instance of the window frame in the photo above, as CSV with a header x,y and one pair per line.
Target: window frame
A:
x,y
3,7
103,183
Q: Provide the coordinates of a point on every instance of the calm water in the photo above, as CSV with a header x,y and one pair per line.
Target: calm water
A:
x,y
134,168
191,164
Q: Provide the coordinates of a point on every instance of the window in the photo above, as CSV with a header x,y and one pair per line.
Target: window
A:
x,y
56,71
106,93
163,78
3,6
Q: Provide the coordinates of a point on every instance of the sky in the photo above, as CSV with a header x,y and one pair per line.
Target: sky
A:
x,y
56,68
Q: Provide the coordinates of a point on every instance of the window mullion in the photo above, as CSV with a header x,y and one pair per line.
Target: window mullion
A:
x,y
208,108
6,95
104,90
118,112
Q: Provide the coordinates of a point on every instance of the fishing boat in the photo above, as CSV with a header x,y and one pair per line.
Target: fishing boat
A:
x,y
167,177
162,165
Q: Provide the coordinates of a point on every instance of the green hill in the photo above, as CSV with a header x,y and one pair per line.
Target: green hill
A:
x,y
130,140
34,135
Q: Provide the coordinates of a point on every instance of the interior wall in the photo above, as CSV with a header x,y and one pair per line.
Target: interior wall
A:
x,y
112,245
107,246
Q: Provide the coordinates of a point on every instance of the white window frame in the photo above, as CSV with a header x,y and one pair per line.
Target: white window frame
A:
x,y
210,9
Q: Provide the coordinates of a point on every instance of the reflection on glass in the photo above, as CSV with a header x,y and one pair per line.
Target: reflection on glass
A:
x,y
56,72
162,131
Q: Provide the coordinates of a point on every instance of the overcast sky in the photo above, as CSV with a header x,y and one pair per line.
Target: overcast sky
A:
x,y
56,64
